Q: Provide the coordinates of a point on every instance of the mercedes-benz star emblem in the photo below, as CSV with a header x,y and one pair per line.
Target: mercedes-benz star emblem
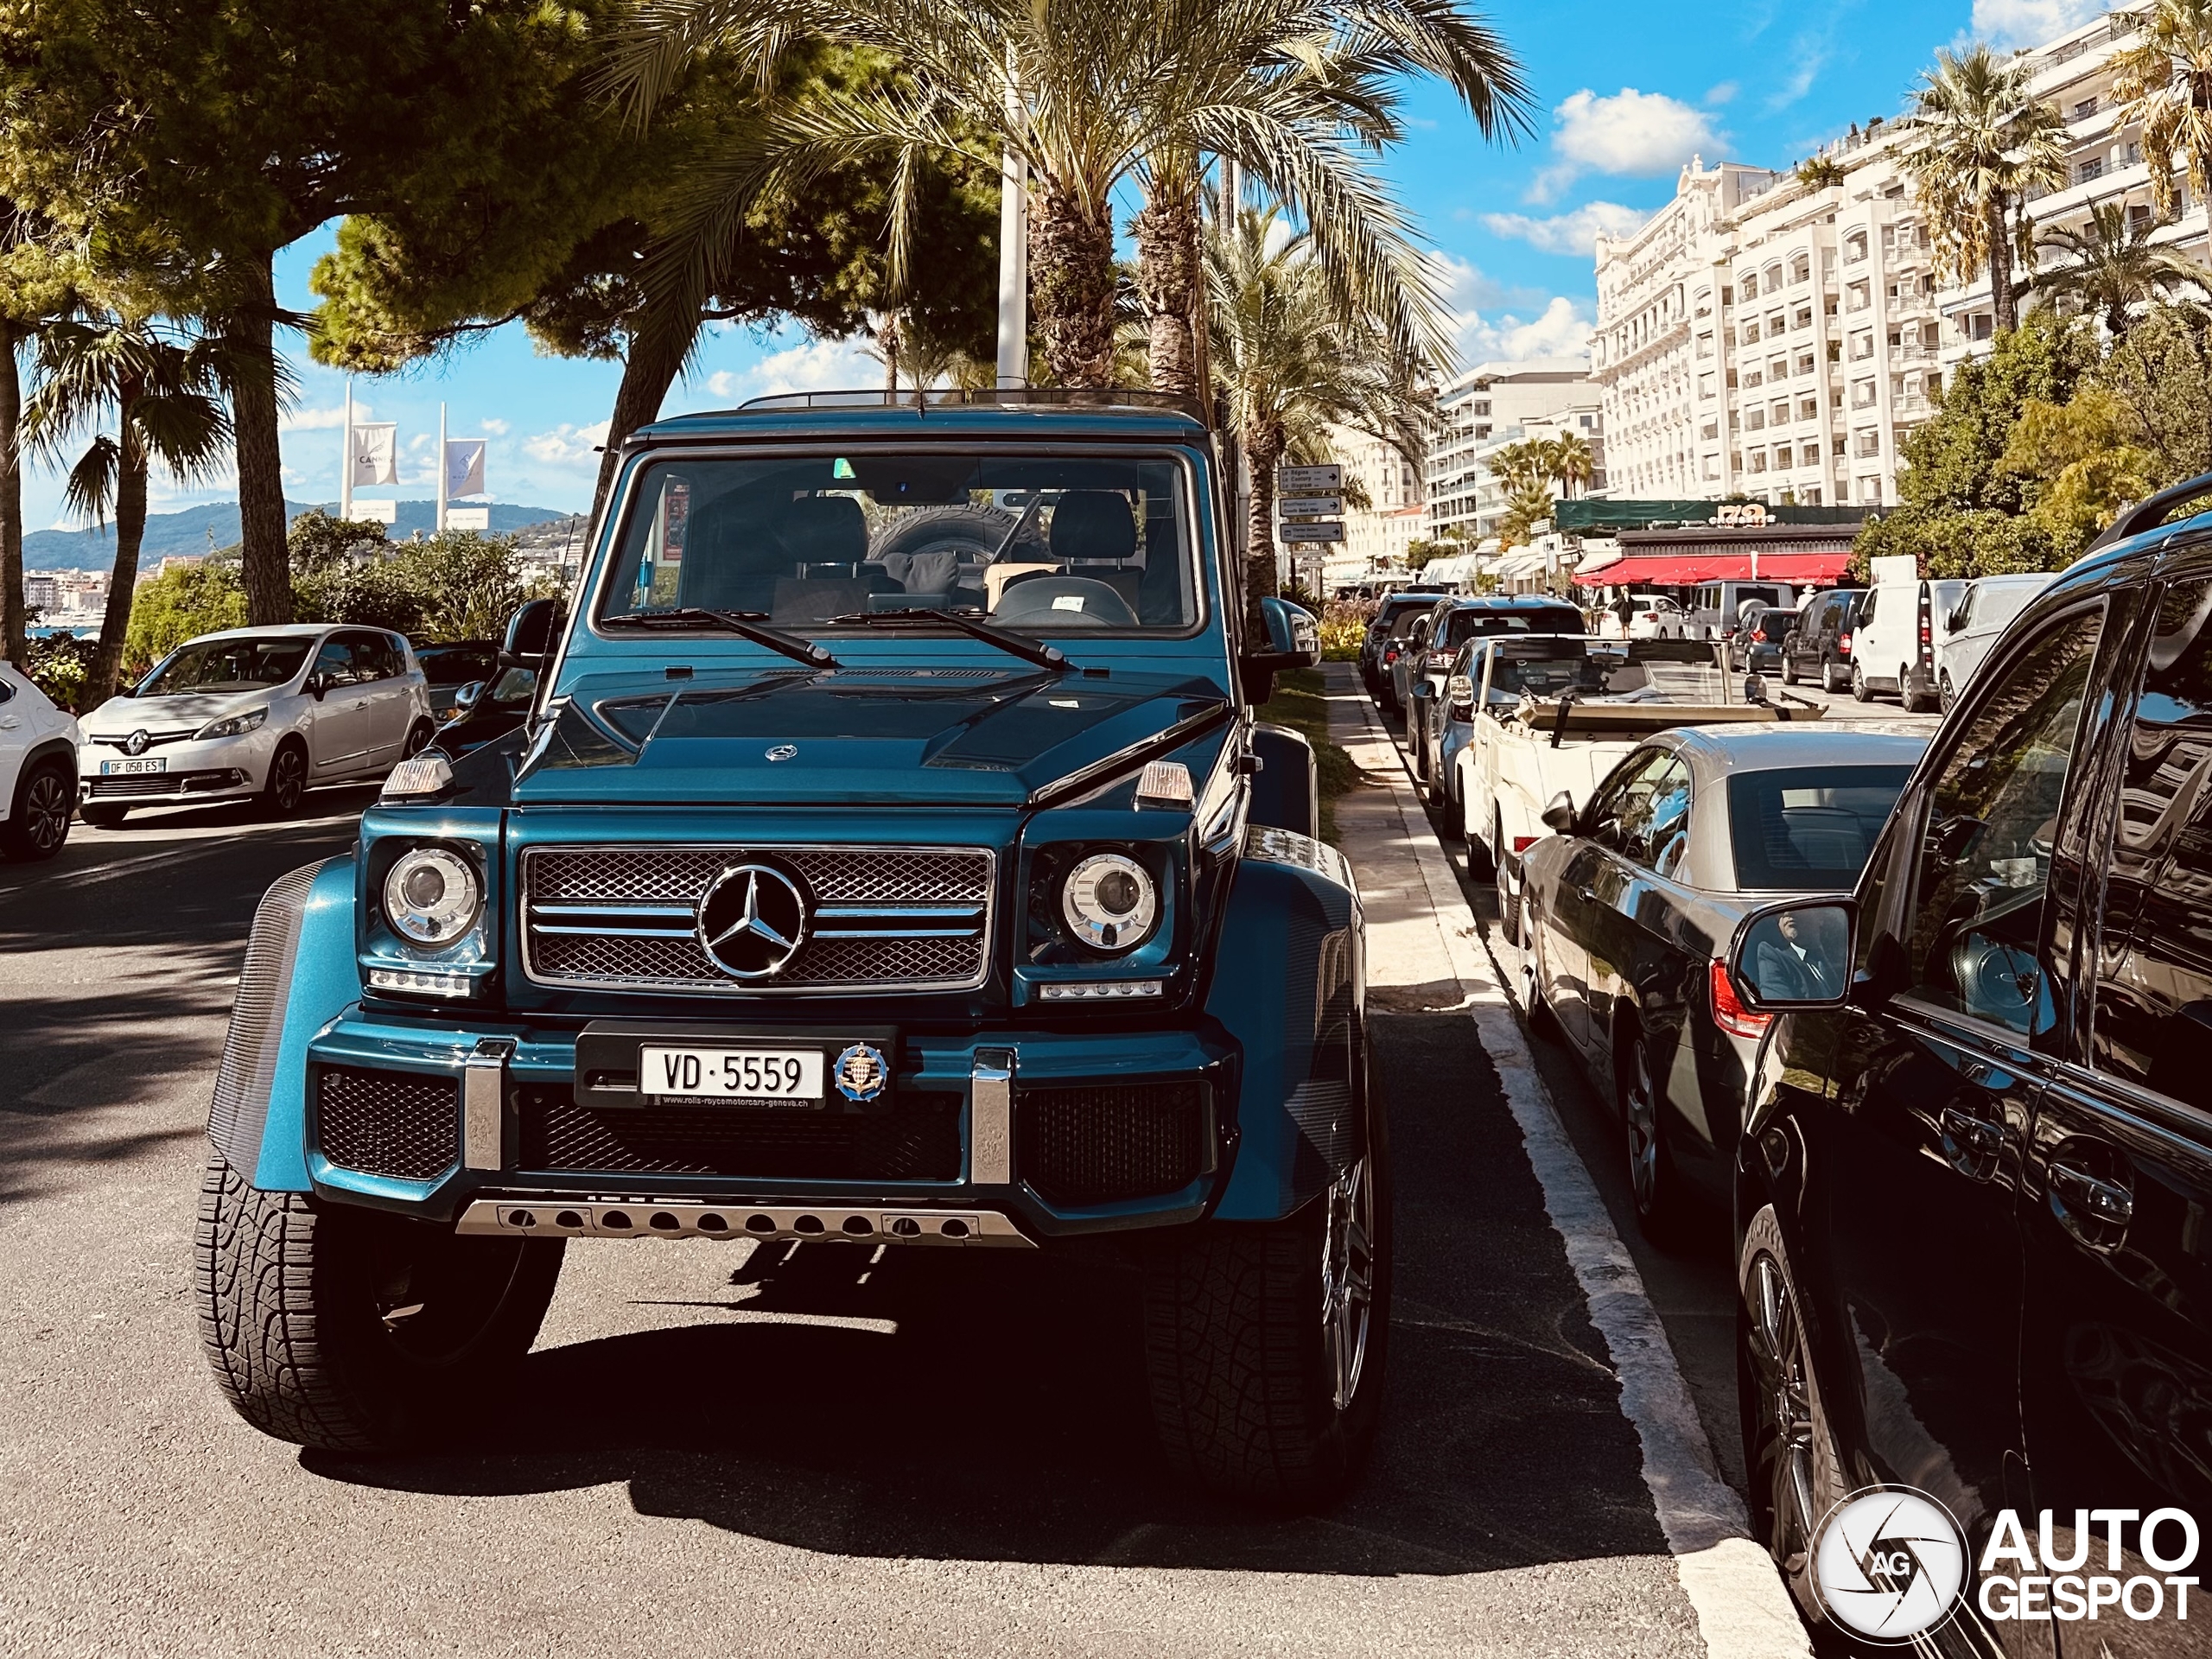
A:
x,y
784,752
137,742
752,920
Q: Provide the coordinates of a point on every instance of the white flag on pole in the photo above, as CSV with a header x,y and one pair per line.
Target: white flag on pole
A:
x,y
376,453
465,467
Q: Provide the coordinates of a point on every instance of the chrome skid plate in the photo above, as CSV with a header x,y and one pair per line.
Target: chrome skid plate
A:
x,y
853,1223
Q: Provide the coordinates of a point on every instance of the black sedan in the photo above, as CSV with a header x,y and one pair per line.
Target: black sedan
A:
x,y
1631,907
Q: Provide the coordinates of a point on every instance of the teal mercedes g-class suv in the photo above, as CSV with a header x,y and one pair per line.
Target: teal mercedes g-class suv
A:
x,y
891,857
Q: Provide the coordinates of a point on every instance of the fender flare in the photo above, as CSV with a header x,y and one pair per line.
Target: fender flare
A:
x,y
49,748
300,974
1290,987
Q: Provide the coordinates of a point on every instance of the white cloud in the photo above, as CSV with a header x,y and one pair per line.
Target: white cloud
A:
x,y
497,427
566,445
1550,328
322,420
1633,134
2029,23
1571,232
811,366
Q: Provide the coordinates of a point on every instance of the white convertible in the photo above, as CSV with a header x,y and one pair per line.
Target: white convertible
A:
x,y
1555,715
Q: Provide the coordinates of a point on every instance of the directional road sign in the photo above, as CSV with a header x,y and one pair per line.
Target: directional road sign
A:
x,y
1332,532
1309,481
1311,507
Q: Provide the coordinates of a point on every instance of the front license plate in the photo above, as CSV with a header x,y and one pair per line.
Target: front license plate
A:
x,y
754,1076
125,768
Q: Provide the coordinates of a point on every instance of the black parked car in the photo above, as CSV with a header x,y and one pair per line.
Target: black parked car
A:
x,y
1633,908
1974,1181
1389,626
1819,646
451,666
1423,666
487,710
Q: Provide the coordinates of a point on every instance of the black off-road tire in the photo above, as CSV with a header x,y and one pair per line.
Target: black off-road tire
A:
x,y
38,818
980,530
290,1323
1243,1392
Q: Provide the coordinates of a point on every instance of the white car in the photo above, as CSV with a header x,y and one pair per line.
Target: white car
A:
x,y
38,769
1981,613
1656,617
264,713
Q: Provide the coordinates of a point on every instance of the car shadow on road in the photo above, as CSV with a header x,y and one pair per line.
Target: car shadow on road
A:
x,y
982,1406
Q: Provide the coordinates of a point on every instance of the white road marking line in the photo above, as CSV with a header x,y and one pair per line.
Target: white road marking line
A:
x,y
1743,1611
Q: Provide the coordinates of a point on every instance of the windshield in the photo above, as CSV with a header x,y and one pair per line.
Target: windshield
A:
x,y
1545,671
1808,828
1043,544
242,664
1477,621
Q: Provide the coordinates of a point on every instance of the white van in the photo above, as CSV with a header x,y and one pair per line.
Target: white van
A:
x,y
1983,610
1901,621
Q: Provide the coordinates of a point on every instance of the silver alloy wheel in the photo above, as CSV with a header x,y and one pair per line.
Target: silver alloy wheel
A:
x,y
1348,1279
1945,697
1782,1399
289,779
46,810
1641,1109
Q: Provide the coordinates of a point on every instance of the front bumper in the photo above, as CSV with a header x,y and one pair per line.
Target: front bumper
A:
x,y
221,768
491,1089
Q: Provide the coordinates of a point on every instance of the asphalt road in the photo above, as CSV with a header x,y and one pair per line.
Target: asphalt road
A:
x,y
720,1448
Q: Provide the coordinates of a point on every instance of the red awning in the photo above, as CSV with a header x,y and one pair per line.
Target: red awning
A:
x,y
1678,571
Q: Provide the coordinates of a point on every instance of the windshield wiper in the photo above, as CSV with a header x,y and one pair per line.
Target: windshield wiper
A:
x,y
925,616
744,624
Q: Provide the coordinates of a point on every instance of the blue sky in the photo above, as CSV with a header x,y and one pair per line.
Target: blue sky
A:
x,y
1626,92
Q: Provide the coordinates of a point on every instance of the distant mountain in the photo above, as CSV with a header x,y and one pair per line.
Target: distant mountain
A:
x,y
198,530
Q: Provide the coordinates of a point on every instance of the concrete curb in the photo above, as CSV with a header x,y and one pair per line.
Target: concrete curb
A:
x,y
1743,1610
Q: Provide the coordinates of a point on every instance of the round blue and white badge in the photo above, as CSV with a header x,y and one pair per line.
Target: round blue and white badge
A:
x,y
860,1072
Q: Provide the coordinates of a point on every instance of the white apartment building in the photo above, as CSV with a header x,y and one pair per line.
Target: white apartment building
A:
x,y
1377,535
1763,336
2104,164
1491,405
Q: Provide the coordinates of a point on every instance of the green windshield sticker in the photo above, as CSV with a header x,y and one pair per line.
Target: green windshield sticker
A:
x,y
841,469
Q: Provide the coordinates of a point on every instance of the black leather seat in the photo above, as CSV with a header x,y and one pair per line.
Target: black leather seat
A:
x,y
1094,534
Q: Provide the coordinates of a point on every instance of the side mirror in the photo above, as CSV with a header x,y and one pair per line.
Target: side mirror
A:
x,y
1794,955
467,697
1292,641
1559,816
531,633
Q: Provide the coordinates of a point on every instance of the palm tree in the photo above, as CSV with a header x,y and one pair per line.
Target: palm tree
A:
x,y
1291,362
1520,466
1819,172
165,398
1084,95
2165,82
2111,264
1568,460
1528,506
1984,143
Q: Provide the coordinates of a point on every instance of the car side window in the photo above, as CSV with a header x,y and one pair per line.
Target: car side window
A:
x,y
2152,1020
334,664
1965,617
1620,816
1667,837
1985,856
372,657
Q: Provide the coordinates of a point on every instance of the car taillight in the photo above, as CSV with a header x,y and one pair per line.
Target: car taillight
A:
x,y
1728,1010
1647,616
1390,653
1843,642
1758,633
1440,659
1523,844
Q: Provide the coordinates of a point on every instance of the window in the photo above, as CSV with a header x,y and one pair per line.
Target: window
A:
x,y
1747,285
2085,109
1809,829
1713,466
1808,408
1983,858
1482,431
1707,387
1759,460
1803,319
2092,169
1862,394
339,664
374,657
1755,419
1709,431
235,664
1643,809
1782,458
1870,490
1982,325
1860,296
2153,1013
1482,405
1754,378
1870,443
1804,362
1801,267
1839,450
1862,344
1773,275
1705,345
1750,332
1855,247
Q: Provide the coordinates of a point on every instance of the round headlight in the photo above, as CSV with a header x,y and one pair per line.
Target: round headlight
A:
x,y
1110,902
432,896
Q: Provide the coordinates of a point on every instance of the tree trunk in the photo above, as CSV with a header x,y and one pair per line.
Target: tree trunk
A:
x,y
12,620
252,326
1072,286
1262,449
1168,271
654,361
129,533
887,341
2001,264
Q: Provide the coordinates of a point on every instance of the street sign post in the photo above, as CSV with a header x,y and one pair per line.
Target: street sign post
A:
x,y
1309,481
1330,531
1310,506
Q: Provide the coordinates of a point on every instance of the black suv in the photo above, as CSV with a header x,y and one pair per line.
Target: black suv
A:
x,y
1818,646
1390,625
1975,1189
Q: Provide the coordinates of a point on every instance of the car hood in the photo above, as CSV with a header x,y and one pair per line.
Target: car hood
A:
x,y
123,715
893,736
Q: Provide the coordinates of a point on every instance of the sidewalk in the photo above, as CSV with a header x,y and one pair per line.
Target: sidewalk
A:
x,y
1426,955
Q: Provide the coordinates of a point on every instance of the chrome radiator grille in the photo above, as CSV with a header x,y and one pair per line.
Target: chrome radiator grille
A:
x,y
884,918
